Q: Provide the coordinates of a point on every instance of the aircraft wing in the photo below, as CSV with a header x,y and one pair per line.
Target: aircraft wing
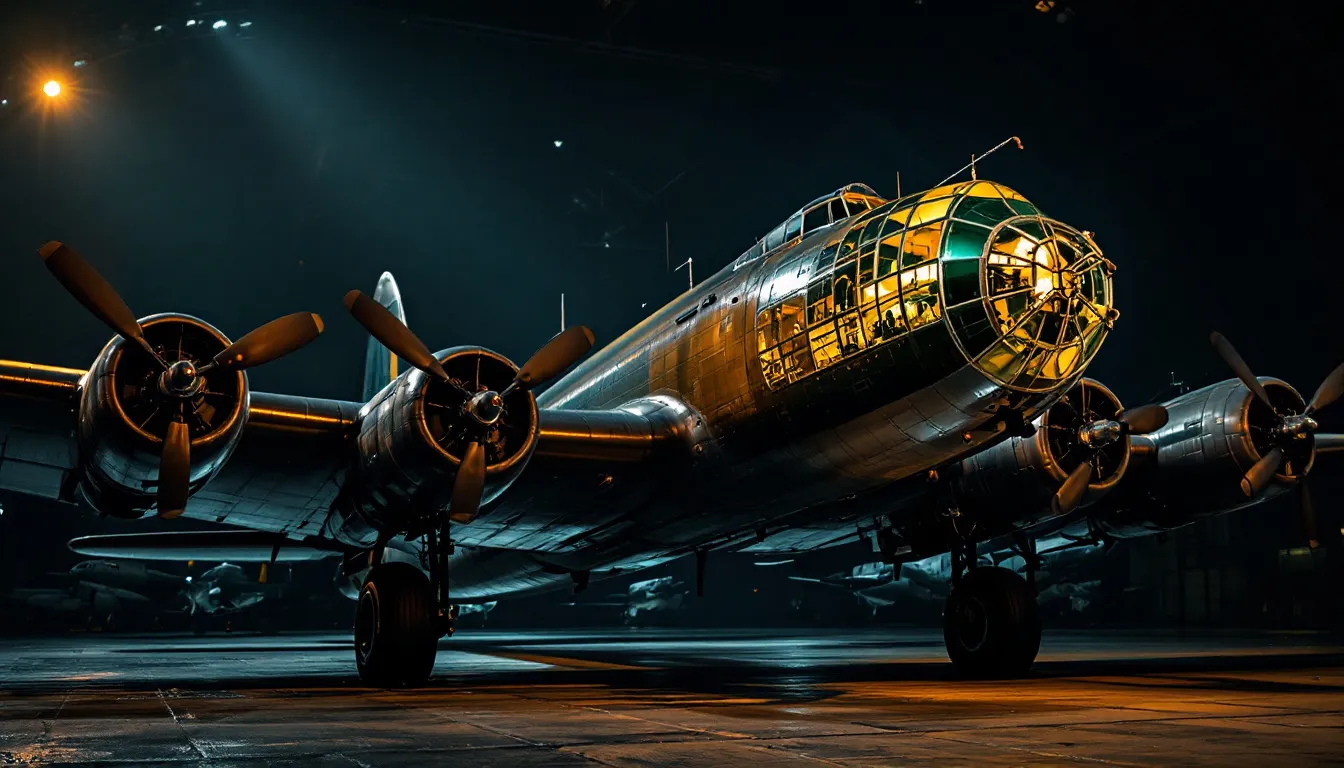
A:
x,y
291,463
37,446
283,476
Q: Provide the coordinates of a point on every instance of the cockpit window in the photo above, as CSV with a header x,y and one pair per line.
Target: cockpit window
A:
x,y
838,210
794,227
816,218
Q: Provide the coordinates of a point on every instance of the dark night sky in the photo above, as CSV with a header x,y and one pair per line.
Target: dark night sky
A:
x,y
239,180
243,179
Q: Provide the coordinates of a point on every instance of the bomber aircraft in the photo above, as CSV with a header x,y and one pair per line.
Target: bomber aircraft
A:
x,y
909,370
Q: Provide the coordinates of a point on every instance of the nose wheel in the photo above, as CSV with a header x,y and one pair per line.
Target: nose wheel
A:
x,y
991,624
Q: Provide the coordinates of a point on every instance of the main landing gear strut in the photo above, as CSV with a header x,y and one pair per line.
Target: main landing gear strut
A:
x,y
991,623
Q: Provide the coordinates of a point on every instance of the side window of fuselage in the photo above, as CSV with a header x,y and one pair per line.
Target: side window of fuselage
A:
x,y
781,332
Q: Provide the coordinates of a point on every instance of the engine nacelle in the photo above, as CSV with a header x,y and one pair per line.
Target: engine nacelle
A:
x,y
1011,483
410,444
1213,437
124,414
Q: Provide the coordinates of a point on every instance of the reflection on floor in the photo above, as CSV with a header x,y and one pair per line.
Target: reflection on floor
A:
x,y
668,697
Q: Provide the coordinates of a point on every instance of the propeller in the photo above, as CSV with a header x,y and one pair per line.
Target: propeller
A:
x,y
1288,427
183,379
481,410
1096,434
392,333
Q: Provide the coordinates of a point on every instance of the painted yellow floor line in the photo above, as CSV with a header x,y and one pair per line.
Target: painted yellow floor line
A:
x,y
560,661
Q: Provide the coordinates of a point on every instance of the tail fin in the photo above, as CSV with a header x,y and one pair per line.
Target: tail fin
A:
x,y
380,365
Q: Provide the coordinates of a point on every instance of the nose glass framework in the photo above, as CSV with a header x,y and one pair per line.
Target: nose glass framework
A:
x,y
1048,292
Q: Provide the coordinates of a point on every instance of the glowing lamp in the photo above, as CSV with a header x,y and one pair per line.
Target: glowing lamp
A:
x,y
52,89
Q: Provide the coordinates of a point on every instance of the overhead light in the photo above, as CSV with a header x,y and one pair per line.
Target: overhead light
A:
x,y
191,22
80,62
558,143
52,88
245,24
4,102
219,24
158,27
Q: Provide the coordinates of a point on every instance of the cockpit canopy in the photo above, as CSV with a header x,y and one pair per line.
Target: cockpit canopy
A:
x,y
844,203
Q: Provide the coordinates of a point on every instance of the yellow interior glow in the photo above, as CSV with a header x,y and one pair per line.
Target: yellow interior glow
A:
x,y
52,88
1044,286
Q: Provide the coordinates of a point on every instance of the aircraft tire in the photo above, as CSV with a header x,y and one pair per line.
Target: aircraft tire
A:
x,y
395,635
991,624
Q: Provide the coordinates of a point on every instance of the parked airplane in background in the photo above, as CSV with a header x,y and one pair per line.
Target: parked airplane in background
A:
x,y
227,588
1067,569
909,370
103,591
644,597
107,590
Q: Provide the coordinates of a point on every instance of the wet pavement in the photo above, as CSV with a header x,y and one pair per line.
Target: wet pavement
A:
x,y
659,697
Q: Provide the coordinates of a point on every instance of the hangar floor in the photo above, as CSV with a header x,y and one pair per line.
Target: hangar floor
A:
x,y
646,697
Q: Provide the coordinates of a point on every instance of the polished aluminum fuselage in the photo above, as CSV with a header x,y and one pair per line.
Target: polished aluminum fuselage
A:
x,y
762,460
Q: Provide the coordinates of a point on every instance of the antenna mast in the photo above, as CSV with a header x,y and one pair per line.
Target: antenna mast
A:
x,y
971,164
690,272
562,312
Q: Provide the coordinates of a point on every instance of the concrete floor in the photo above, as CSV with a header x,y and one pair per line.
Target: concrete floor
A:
x,y
645,697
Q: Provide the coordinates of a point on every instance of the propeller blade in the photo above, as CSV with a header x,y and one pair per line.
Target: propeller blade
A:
x,y
1229,354
1261,473
271,341
559,353
89,288
1308,514
175,471
1144,419
392,333
1329,443
1070,494
469,485
1329,391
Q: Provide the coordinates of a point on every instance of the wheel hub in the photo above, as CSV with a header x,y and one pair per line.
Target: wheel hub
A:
x,y
972,624
366,624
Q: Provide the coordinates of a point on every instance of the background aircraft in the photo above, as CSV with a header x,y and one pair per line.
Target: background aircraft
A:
x,y
642,598
1069,571
103,592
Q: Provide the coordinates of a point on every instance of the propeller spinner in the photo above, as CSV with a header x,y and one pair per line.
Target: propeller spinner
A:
x,y
182,379
1094,436
480,410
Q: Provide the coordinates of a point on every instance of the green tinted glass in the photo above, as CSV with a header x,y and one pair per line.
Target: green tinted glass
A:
x,y
983,210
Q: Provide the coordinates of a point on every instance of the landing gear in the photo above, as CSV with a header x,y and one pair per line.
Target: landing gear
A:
x,y
991,624
396,633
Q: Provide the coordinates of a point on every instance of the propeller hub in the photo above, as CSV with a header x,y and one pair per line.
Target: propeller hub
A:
x,y
1297,427
181,379
1100,433
486,407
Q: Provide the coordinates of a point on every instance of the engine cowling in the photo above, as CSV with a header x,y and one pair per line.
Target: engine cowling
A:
x,y
1011,483
1214,436
123,414
410,445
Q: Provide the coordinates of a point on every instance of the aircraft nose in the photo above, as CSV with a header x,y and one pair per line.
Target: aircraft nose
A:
x,y
1029,297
